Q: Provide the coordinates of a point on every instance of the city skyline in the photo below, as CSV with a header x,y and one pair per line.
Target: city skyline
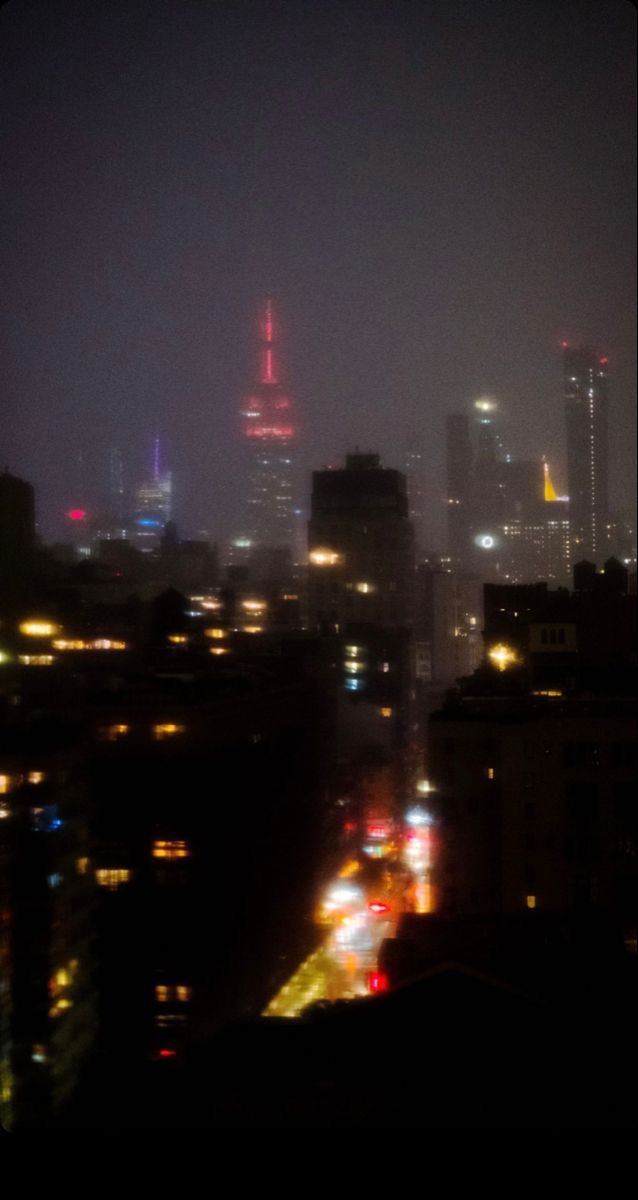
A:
x,y
413,266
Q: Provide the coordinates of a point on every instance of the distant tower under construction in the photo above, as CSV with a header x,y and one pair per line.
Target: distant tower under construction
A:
x,y
268,427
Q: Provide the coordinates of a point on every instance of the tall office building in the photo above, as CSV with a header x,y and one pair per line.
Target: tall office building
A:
x,y
361,546
269,430
415,474
585,385
459,464
153,505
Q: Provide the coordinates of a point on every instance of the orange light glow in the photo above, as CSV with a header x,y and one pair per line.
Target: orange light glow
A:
x,y
322,557
34,628
168,730
170,849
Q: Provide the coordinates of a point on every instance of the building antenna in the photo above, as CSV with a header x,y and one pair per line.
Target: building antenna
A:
x,y
267,372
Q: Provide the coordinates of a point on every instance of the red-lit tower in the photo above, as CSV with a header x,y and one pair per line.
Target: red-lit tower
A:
x,y
268,426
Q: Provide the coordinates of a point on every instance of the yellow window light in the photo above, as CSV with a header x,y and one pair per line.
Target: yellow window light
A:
x,y
36,777
385,712
112,877
217,650
177,639
215,633
167,730
530,901
117,731
364,587
171,849
323,557
253,606
35,628
36,660
253,629
60,1006
5,784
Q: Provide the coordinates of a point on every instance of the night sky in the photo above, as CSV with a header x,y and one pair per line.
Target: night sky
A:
x,y
435,194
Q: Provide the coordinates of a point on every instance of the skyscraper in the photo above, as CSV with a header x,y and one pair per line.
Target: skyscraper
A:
x,y
153,505
415,471
269,430
459,464
585,384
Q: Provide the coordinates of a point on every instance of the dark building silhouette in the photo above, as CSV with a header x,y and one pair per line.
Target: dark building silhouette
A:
x,y
360,546
17,531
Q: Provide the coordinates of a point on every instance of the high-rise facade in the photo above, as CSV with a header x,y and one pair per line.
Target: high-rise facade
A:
x,y
269,431
585,389
360,546
415,471
153,505
459,465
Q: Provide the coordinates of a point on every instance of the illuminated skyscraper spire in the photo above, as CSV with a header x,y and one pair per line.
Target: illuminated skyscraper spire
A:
x,y
269,428
267,372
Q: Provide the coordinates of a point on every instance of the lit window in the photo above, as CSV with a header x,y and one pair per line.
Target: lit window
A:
x,y
217,650
166,731
353,667
166,993
215,633
322,557
82,865
177,639
60,1006
253,629
352,651
530,901
39,1053
113,732
253,606
490,772
170,849
38,628
35,776
364,587
36,660
5,784
112,877
385,712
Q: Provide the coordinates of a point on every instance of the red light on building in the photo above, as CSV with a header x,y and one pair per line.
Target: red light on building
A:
x,y
168,1054
76,514
378,982
378,831
350,826
603,362
378,906
564,345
